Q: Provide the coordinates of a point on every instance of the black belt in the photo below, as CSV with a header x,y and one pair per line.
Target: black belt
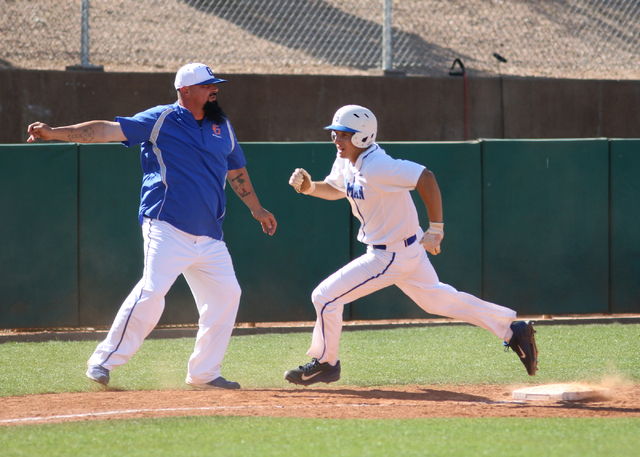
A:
x,y
408,242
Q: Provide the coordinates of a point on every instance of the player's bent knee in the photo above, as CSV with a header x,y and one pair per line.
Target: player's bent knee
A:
x,y
317,298
326,305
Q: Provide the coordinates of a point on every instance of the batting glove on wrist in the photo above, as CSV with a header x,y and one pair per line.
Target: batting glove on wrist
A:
x,y
432,237
301,181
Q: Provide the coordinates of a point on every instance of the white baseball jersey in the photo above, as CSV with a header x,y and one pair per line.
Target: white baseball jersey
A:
x,y
377,188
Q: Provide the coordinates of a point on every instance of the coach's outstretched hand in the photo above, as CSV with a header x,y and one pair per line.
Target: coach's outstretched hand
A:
x,y
39,130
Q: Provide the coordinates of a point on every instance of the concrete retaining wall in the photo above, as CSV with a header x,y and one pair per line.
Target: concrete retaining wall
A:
x,y
269,108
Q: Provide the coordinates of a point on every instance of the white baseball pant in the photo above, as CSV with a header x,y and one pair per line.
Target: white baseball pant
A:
x,y
410,269
208,269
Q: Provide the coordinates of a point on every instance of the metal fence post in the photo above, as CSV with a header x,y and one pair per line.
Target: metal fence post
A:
x,y
387,41
387,47
84,42
84,39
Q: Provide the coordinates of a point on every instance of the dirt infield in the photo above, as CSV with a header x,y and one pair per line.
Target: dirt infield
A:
x,y
321,401
317,402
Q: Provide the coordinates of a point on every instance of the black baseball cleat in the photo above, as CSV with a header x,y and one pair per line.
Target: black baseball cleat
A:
x,y
523,343
313,372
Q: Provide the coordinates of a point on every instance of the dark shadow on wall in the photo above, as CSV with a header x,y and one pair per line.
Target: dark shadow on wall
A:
x,y
324,32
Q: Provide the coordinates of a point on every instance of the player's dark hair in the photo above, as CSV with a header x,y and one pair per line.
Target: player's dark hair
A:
x,y
214,112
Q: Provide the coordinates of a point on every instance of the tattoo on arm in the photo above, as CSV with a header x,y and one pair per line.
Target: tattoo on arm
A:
x,y
238,186
84,135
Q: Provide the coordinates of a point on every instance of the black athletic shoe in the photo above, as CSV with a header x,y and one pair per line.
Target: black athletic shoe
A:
x,y
523,343
313,372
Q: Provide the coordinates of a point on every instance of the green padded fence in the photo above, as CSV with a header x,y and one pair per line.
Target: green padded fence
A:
x,y
625,226
109,240
546,226
38,236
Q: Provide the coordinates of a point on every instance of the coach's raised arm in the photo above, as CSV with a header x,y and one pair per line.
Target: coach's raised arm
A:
x,y
85,132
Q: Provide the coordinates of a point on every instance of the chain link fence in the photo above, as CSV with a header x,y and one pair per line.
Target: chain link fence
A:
x,y
554,38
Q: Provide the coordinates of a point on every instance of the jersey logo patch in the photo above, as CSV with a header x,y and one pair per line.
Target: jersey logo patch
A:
x,y
216,130
355,191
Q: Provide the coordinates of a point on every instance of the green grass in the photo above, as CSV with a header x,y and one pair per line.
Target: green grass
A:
x,y
262,436
427,355
435,355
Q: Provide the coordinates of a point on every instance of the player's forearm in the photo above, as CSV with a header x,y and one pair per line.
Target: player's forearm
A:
x,y
327,192
429,190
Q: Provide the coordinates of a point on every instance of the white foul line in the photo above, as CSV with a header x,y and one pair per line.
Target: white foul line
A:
x,y
221,408
203,408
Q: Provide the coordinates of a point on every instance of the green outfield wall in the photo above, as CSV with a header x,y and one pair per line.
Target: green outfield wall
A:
x,y
540,226
39,235
624,236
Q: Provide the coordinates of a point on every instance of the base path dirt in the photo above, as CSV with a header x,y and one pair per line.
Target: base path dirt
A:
x,y
341,402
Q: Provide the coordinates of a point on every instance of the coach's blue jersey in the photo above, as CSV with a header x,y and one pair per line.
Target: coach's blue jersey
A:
x,y
184,167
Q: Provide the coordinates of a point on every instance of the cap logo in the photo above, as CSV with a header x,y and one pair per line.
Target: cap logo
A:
x,y
209,71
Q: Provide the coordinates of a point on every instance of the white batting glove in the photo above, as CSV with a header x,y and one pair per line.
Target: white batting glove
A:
x,y
432,237
301,181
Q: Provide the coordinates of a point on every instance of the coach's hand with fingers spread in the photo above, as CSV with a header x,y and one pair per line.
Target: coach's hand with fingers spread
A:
x,y
433,237
301,181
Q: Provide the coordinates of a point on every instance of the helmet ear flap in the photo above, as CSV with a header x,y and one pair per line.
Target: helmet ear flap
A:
x,y
362,140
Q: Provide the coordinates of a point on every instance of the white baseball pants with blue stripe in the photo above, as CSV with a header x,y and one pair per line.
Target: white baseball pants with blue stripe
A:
x,y
208,269
410,269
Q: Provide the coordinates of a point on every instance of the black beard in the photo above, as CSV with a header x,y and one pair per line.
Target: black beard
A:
x,y
214,113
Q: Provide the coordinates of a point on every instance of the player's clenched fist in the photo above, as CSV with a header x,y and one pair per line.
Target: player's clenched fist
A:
x,y
433,237
301,181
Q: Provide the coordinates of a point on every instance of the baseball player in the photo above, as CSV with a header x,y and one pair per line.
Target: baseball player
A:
x,y
378,189
189,150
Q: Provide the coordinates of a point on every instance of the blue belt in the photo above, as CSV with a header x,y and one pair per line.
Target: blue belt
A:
x,y
408,242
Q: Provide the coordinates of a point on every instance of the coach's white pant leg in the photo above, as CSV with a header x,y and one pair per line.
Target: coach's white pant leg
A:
x,y
215,288
424,288
366,274
166,254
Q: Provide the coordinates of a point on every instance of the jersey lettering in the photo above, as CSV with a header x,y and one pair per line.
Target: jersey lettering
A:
x,y
355,191
216,129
